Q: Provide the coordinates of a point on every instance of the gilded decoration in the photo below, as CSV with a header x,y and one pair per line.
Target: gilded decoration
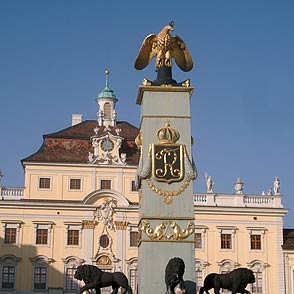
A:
x,y
166,162
89,224
121,225
164,47
166,231
104,260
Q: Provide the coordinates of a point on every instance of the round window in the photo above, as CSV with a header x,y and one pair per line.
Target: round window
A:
x,y
104,241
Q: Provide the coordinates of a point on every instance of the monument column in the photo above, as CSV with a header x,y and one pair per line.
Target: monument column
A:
x,y
166,170
166,223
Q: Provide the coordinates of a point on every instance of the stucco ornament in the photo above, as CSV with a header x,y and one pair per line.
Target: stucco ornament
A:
x,y
105,212
106,149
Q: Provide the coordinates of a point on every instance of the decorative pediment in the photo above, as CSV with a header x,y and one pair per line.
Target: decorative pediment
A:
x,y
106,149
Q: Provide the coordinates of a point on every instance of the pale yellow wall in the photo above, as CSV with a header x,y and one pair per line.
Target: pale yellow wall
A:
x,y
66,212
90,176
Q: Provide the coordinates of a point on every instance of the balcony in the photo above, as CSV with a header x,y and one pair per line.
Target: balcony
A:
x,y
11,193
234,200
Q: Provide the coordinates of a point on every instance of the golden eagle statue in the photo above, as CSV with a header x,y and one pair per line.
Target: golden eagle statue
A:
x,y
164,47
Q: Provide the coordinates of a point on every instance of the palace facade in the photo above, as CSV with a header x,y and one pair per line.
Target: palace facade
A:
x,y
80,205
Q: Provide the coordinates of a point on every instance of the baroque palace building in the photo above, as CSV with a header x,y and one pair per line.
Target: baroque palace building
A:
x,y
80,205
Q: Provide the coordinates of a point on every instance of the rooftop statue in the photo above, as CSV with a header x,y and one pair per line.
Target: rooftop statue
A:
x,y
164,47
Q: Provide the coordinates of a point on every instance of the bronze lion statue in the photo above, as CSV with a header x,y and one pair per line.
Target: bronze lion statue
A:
x,y
174,272
236,281
95,278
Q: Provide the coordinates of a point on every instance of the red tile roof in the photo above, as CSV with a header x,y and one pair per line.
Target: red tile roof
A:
x,y
72,145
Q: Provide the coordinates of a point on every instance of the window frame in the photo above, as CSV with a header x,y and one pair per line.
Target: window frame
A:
x,y
41,267
256,231
40,261
133,187
227,231
10,261
11,224
74,189
133,228
109,181
133,267
44,188
258,266
131,241
202,231
71,262
43,225
74,226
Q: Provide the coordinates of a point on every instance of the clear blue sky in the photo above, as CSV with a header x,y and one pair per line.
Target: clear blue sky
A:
x,y
52,60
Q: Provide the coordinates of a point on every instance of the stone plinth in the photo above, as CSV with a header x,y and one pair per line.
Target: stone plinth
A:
x,y
166,209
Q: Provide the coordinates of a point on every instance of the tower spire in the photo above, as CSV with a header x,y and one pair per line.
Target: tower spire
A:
x,y
106,101
106,78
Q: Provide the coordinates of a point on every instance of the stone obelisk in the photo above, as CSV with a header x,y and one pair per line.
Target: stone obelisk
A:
x,y
166,170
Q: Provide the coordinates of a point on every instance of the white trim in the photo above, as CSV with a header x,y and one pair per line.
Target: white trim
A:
x,y
43,225
230,231
75,178
8,260
50,183
14,224
73,226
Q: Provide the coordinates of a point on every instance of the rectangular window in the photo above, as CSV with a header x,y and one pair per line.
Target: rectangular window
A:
x,y
105,184
133,239
226,241
198,280
8,276
10,236
133,280
257,286
134,188
198,240
40,278
42,236
44,183
255,241
73,237
75,184
70,282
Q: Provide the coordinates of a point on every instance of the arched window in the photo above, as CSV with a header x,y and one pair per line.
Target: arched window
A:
x,y
133,274
40,272
70,266
225,267
200,266
258,268
8,271
107,111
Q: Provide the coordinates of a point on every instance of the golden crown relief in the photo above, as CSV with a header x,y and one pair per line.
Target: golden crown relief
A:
x,y
167,134
166,162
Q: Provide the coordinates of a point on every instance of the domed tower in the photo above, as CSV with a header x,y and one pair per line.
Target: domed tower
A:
x,y
106,101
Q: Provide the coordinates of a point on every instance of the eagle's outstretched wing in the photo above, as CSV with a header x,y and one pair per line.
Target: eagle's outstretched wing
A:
x,y
180,53
146,52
